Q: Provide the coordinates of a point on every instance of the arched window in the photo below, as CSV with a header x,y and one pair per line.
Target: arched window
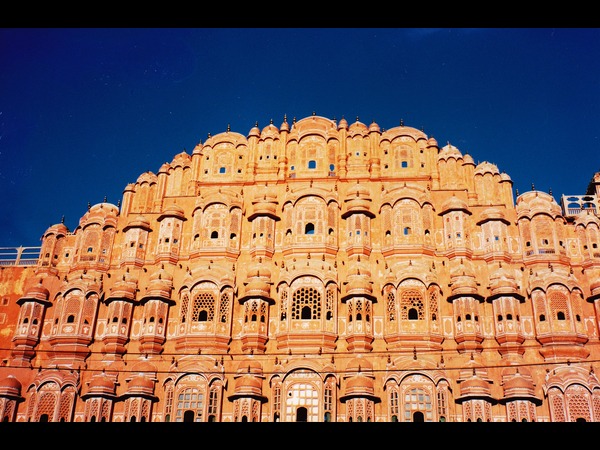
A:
x,y
312,164
309,228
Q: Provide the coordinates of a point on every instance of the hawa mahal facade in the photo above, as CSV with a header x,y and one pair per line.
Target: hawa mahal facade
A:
x,y
319,271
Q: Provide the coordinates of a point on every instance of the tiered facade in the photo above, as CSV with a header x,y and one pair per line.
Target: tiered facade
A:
x,y
319,271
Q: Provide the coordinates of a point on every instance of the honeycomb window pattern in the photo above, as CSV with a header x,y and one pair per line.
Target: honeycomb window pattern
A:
x,y
203,308
412,300
306,304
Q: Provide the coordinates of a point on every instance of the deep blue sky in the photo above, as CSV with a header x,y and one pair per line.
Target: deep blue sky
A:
x,y
85,111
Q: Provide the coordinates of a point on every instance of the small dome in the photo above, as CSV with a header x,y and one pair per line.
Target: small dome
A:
x,y
468,159
182,159
148,177
124,289
59,229
254,131
141,384
536,202
269,131
248,383
360,384
37,292
164,168
342,124
358,199
10,387
486,167
160,286
492,214
374,127
138,221
518,382
101,381
503,282
474,386
264,204
285,126
102,214
449,151
357,128
454,204
359,284
101,384
257,288
173,210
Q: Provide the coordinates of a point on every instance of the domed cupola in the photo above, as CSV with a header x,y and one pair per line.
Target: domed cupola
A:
x,y
536,202
285,126
103,214
102,385
248,380
357,128
502,282
182,159
160,286
468,159
492,214
172,210
138,221
486,167
270,131
10,388
264,204
463,281
59,229
358,284
123,289
360,381
474,386
140,385
358,200
258,282
454,204
449,151
374,128
254,131
517,383
37,292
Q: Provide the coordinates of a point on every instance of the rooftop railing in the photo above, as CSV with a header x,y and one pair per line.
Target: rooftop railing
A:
x,y
19,256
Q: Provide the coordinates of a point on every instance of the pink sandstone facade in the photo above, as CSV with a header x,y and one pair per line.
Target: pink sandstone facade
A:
x,y
319,271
